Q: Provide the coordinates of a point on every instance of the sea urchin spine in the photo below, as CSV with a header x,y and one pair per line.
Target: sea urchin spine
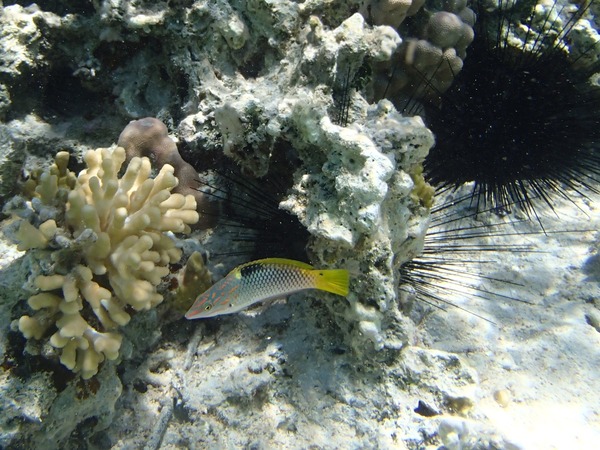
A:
x,y
521,121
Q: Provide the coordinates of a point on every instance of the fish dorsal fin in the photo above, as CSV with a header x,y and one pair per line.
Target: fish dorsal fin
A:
x,y
284,261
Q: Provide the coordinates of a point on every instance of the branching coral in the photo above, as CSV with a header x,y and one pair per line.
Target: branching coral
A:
x,y
149,137
102,243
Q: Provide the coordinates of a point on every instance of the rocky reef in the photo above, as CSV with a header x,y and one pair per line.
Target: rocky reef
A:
x,y
352,184
277,90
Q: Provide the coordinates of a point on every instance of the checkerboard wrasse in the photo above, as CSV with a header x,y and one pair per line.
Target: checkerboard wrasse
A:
x,y
262,280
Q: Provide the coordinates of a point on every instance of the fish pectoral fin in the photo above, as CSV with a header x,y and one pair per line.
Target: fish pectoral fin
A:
x,y
260,307
336,281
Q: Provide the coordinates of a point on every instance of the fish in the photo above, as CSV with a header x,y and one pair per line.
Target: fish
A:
x,y
265,279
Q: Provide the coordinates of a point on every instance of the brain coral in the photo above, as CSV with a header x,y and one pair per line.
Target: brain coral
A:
x,y
102,246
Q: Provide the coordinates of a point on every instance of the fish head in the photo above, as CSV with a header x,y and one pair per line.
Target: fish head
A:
x,y
216,301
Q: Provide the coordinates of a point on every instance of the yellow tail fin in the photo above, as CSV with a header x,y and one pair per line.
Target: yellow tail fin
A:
x,y
335,281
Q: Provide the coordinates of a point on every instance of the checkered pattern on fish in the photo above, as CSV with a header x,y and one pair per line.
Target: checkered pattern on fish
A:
x,y
268,281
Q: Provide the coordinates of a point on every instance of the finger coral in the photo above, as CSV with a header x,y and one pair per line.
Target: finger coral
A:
x,y
103,245
149,137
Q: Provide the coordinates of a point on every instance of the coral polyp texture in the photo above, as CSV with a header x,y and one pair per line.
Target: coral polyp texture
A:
x,y
102,247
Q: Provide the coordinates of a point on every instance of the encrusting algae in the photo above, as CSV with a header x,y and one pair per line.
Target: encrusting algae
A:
x,y
422,193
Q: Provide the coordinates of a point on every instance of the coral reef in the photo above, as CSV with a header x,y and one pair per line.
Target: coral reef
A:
x,y
22,43
390,12
280,89
352,187
194,280
426,63
50,413
358,208
149,137
103,249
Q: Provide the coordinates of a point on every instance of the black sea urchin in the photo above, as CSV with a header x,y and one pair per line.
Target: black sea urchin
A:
x,y
521,122
455,252
250,218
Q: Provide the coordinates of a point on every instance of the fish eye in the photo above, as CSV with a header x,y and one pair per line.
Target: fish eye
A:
x,y
207,307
